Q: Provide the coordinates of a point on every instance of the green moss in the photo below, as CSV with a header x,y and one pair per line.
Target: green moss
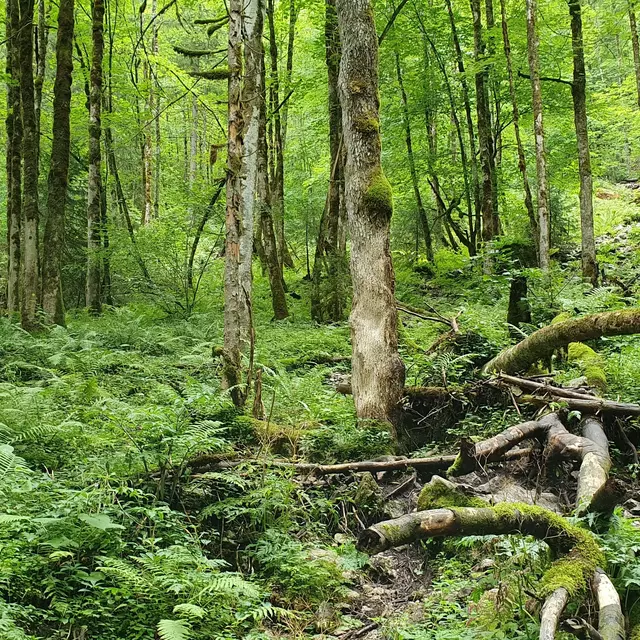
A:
x,y
439,494
367,124
357,86
457,468
561,317
378,198
634,620
591,363
574,570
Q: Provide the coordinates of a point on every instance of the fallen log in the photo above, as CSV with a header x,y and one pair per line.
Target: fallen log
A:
x,y
595,405
611,622
576,549
534,385
542,343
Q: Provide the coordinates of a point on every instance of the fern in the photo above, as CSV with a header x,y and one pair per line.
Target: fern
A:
x,y
174,630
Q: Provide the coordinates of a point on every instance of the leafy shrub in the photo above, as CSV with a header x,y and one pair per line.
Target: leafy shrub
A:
x,y
335,443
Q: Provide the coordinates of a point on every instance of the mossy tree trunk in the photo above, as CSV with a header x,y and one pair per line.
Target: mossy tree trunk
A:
x,y
30,207
94,197
329,266
579,94
378,371
52,301
635,45
13,156
239,232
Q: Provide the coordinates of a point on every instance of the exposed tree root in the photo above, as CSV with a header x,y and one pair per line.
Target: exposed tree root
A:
x,y
611,623
541,344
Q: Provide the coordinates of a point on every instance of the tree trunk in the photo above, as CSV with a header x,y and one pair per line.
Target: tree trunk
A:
x,y
52,300
329,265
239,241
542,343
544,214
94,195
635,45
487,200
42,41
14,157
422,212
467,109
268,236
579,93
378,371
30,268
155,111
519,310
277,183
522,162
293,18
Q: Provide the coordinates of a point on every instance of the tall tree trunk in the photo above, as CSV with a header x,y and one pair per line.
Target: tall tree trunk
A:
x,y
30,267
239,237
288,74
485,134
422,212
157,171
52,301
522,162
329,266
470,127
544,226
635,45
378,371
14,157
193,143
42,41
265,219
94,193
579,93
277,183
147,148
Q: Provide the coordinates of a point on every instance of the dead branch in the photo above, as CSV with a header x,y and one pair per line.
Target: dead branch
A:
x,y
452,323
551,612
533,385
611,622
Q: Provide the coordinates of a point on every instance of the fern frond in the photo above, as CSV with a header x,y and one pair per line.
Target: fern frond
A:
x,y
174,630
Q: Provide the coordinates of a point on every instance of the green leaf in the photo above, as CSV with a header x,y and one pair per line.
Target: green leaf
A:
x,y
174,630
99,521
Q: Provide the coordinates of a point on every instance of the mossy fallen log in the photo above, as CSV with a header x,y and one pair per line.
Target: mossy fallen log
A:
x,y
541,344
578,554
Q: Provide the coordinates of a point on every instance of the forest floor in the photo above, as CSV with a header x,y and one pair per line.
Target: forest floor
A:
x,y
106,533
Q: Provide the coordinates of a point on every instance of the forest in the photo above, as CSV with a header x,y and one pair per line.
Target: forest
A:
x,y
319,319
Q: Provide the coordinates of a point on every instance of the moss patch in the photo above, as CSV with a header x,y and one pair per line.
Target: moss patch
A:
x,y
591,363
440,494
367,124
378,198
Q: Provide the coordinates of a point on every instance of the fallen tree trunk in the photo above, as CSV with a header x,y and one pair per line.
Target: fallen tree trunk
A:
x,y
551,612
577,550
534,385
594,405
541,344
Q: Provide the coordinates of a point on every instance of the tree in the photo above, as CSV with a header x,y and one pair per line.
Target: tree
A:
x,y
238,331
635,45
52,301
14,156
30,210
422,212
377,370
579,94
329,265
544,227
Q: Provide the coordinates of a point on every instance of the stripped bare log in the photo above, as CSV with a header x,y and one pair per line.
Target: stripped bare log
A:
x,y
544,389
552,610
595,405
611,622
541,344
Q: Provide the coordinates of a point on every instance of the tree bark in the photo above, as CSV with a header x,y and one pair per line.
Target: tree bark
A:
x,y
544,214
611,622
239,242
422,212
522,162
579,93
635,45
30,213
94,196
42,41
485,137
378,371
265,218
542,343
14,157
52,300
329,265
277,182
551,613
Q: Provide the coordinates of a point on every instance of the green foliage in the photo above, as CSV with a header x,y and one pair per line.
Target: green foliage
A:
x,y
336,443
